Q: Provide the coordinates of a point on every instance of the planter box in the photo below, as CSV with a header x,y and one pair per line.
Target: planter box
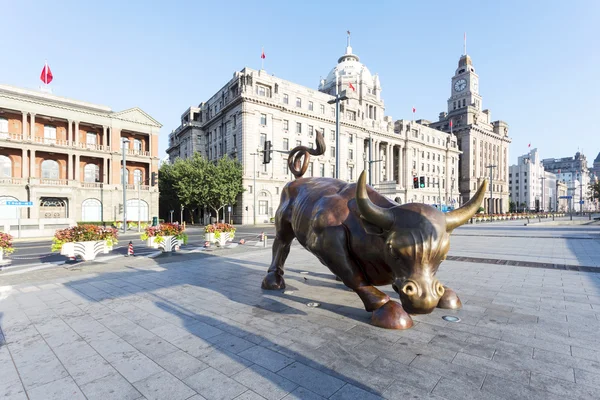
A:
x,y
152,243
86,250
224,237
1,254
209,237
107,248
170,243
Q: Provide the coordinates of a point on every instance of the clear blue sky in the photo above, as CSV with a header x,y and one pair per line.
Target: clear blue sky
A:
x,y
538,61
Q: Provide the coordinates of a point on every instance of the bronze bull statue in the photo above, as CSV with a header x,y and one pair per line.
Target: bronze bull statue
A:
x,y
367,240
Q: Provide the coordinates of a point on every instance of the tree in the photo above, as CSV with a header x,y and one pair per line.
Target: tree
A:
x,y
512,207
224,183
595,191
190,177
168,198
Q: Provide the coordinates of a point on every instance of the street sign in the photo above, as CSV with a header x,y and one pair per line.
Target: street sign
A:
x,y
565,197
20,203
229,209
581,201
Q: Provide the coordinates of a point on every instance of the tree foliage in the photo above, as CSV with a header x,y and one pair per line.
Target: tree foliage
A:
x,y
595,190
196,182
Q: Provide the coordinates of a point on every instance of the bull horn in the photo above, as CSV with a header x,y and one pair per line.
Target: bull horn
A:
x,y
378,216
458,217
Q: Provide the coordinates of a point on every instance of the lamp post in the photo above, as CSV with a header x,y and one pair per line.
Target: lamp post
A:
x,y
254,187
338,97
543,194
124,178
491,208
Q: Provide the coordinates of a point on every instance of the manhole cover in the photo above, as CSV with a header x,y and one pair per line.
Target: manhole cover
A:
x,y
288,292
304,272
313,305
450,318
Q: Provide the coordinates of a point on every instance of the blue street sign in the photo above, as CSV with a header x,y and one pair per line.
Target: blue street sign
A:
x,y
581,201
19,203
565,197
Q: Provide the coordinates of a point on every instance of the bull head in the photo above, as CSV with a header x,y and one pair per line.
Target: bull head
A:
x,y
417,240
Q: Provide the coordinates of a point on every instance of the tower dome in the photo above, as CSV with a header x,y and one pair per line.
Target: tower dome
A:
x,y
349,70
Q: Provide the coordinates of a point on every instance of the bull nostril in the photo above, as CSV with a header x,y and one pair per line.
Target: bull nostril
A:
x,y
409,289
440,289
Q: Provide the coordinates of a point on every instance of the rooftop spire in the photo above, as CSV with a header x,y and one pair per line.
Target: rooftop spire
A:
x,y
465,43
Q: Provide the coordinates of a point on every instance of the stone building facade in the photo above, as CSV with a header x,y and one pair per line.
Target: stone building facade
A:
x,y
526,184
254,107
483,142
575,173
65,156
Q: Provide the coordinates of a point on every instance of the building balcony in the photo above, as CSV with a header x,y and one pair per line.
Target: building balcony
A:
x,y
68,183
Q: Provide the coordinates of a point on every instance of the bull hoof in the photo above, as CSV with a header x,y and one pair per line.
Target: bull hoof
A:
x,y
391,316
273,282
449,300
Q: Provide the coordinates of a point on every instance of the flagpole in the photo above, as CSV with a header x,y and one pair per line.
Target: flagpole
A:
x,y
465,44
46,74
262,59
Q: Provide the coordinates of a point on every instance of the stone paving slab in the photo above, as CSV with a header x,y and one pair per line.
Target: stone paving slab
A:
x,y
198,326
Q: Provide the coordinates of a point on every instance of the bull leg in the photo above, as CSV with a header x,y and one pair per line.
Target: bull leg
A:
x,y
281,248
449,300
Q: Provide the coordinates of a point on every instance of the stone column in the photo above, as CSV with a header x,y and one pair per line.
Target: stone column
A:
x,y
70,131
70,166
24,164
32,127
32,165
24,125
104,133
399,167
391,167
104,172
77,176
76,134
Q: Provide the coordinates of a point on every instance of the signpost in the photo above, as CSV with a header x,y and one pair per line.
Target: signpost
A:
x,y
16,203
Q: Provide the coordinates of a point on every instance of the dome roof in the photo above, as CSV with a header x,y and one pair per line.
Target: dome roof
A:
x,y
350,68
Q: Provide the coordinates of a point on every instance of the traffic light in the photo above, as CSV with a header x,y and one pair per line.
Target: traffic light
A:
x,y
422,182
415,182
267,152
120,208
154,179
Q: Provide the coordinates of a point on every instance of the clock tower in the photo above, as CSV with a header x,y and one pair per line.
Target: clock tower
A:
x,y
464,90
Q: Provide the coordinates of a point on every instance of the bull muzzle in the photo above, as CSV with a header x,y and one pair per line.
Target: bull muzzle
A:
x,y
420,296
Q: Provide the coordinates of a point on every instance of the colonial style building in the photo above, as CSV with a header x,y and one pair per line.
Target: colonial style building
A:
x,y
65,156
596,167
525,182
574,172
483,142
255,107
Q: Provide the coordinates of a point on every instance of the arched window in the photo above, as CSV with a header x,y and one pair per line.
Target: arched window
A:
x,y
135,206
137,145
5,167
8,212
137,176
91,173
50,169
91,210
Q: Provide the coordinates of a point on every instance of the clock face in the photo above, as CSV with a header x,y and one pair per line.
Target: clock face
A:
x,y
460,85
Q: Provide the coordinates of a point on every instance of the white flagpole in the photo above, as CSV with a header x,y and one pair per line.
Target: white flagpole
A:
x,y
465,39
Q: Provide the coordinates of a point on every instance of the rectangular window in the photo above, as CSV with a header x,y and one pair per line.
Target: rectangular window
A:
x,y
322,169
310,169
298,102
263,139
50,134
234,141
286,99
310,145
286,124
333,152
263,91
351,154
333,171
311,130
350,173
322,109
234,120
263,207
285,170
91,139
250,189
263,119
352,115
310,106
286,144
298,127
332,135
350,138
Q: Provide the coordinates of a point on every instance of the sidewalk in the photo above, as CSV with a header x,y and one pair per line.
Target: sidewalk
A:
x,y
199,324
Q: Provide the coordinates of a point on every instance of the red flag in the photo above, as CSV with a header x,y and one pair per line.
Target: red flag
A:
x,y
559,171
351,86
529,145
451,124
263,55
414,110
46,75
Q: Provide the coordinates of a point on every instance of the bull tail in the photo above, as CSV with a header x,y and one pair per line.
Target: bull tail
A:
x,y
300,156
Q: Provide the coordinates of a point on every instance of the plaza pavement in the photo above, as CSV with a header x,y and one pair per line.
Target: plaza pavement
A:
x,y
198,326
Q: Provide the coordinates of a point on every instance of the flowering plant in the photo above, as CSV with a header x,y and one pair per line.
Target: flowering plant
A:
x,y
84,233
6,243
163,230
210,228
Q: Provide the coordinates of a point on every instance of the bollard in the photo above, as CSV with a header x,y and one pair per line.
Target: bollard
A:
x,y
206,244
130,249
264,239
242,241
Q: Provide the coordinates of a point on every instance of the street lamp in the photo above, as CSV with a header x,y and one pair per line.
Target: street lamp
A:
x,y
124,179
338,97
543,194
254,187
491,208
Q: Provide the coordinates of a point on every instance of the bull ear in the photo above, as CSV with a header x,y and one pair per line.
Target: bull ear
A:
x,y
458,217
